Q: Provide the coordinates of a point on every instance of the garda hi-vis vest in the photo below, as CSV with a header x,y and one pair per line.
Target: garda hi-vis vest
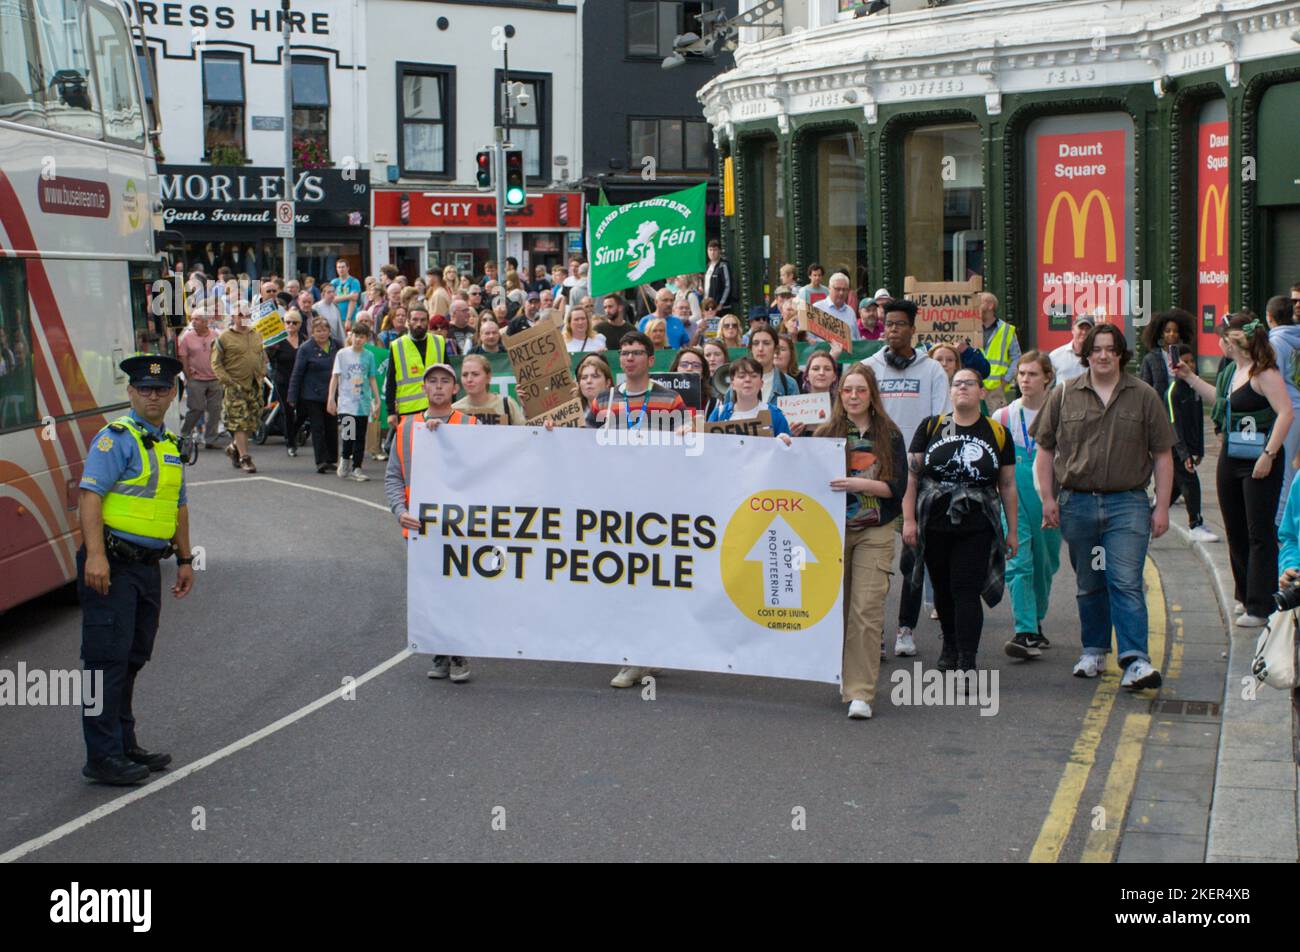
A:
x,y
402,446
998,354
146,505
408,367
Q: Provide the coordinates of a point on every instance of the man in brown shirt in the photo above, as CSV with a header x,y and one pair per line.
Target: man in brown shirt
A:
x,y
1100,436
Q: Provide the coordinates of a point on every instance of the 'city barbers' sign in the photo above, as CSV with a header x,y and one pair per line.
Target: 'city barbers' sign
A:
x,y
246,195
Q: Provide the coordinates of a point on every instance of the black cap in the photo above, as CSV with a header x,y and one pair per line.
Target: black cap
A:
x,y
151,370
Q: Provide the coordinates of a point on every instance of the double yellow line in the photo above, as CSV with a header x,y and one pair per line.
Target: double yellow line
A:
x,y
1107,819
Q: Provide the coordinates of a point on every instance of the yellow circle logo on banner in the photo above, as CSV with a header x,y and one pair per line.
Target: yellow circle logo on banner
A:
x,y
781,560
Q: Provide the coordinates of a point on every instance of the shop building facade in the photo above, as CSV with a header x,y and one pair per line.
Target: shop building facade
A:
x,y
1116,159
215,79
436,75
651,137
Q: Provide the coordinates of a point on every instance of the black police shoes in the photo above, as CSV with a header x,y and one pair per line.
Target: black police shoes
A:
x,y
153,761
117,771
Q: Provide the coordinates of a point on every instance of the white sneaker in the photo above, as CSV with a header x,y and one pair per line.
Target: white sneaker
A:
x,y
1246,620
1202,534
859,710
345,467
357,476
628,676
1140,674
441,667
904,646
1238,608
1086,666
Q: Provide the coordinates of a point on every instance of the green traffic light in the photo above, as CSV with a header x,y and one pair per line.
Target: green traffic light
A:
x,y
515,196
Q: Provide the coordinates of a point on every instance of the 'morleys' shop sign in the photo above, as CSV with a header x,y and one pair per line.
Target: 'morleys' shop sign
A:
x,y
242,196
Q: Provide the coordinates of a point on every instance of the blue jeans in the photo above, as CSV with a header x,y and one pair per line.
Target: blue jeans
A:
x,y
1107,536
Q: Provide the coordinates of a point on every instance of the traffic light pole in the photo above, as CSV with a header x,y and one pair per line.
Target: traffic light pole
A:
x,y
499,180
290,248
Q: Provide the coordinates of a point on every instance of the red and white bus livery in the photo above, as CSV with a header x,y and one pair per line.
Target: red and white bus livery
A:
x,y
78,199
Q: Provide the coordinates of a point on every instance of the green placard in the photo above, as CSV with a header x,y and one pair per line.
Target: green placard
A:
x,y
646,241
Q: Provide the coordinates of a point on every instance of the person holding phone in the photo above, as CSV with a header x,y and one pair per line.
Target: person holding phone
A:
x,y
1253,411
1162,337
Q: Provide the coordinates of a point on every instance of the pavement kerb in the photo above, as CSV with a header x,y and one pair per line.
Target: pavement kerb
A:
x,y
1229,835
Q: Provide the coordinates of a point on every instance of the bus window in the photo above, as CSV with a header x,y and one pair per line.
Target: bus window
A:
x,y
114,71
20,66
17,377
70,98
148,317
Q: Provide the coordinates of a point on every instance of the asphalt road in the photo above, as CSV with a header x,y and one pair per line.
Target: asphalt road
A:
x,y
303,589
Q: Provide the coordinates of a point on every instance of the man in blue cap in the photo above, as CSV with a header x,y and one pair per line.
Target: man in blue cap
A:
x,y
133,515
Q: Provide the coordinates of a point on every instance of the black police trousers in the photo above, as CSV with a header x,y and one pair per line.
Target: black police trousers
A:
x,y
117,635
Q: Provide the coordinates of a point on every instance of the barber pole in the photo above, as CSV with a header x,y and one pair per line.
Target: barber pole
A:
x,y
405,212
564,210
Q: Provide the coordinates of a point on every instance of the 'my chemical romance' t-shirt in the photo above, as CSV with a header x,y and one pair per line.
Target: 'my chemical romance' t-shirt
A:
x,y
960,456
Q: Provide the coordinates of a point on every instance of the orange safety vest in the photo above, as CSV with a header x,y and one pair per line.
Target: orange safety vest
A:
x,y
402,443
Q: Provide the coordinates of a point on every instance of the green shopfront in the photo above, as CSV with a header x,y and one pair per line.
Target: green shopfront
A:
x,y
1157,168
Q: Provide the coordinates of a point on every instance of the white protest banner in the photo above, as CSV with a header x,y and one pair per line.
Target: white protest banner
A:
x,y
727,557
813,409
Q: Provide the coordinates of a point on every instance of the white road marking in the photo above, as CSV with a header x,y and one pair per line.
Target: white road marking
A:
x,y
285,482
176,776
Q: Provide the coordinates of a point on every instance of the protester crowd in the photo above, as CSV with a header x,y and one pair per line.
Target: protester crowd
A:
x,y
967,464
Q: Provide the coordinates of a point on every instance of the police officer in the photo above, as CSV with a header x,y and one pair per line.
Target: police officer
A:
x,y
133,515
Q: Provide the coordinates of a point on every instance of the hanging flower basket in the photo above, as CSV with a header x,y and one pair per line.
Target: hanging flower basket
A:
x,y
310,154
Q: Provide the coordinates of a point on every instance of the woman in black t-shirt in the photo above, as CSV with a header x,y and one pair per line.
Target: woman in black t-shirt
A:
x,y
960,464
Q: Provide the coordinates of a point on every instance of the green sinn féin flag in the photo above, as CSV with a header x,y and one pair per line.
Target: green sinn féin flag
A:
x,y
646,241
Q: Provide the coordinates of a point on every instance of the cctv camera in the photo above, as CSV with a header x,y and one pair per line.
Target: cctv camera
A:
x,y
523,100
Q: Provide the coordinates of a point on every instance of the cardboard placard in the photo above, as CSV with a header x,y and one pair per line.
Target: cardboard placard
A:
x,y
812,409
568,414
688,386
947,312
269,322
760,425
544,376
826,326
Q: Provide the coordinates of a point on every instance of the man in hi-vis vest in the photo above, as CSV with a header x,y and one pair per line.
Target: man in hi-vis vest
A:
x,y
1002,350
411,354
133,515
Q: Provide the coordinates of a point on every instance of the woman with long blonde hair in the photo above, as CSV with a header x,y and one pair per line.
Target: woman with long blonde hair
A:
x,y
874,483
578,334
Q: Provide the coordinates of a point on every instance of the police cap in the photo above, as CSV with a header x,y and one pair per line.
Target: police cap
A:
x,y
151,370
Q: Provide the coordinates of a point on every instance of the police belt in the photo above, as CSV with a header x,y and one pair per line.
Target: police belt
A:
x,y
126,551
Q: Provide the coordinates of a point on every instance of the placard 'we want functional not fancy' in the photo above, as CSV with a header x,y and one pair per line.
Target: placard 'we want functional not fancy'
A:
x,y
725,557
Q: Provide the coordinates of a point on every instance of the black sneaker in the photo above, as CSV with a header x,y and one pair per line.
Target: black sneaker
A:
x,y
1038,640
139,755
1022,646
115,771
948,656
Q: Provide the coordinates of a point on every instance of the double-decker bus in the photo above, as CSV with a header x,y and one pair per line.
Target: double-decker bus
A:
x,y
78,199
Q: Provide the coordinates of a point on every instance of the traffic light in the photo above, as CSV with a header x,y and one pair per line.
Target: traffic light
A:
x,y
484,163
515,193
